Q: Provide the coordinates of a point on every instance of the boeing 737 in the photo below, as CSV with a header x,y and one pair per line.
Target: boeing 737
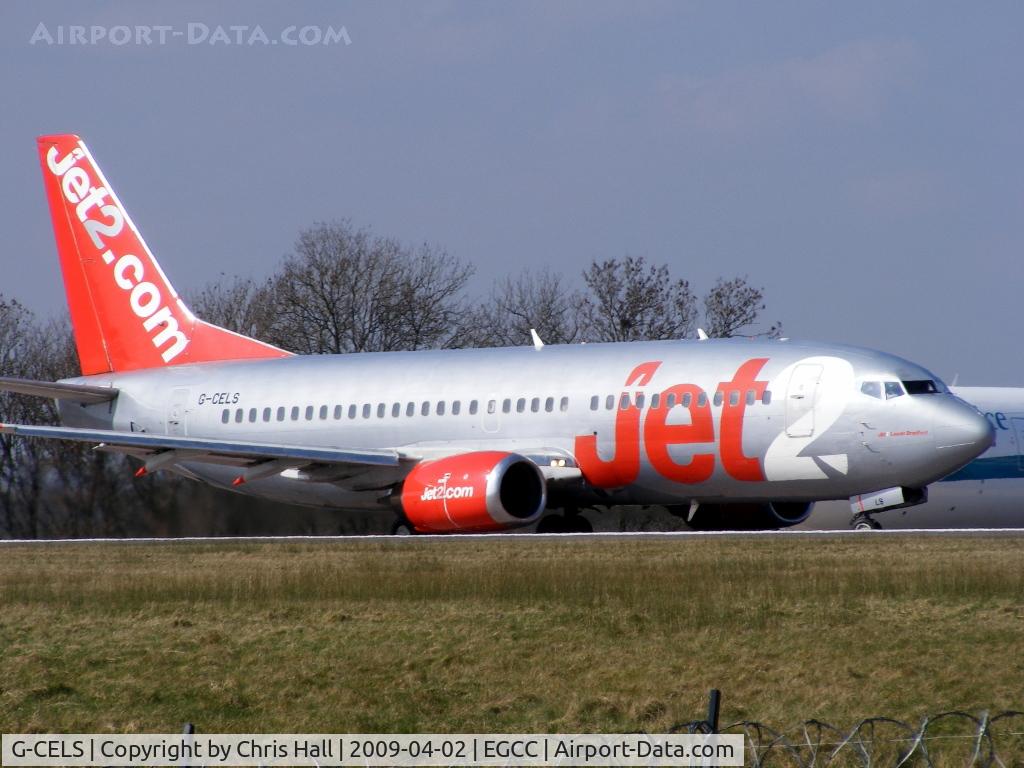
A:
x,y
729,434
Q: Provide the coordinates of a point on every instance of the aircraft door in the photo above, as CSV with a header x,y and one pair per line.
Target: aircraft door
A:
x,y
800,397
177,413
1018,435
490,416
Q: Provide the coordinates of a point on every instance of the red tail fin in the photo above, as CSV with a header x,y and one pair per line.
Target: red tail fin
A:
x,y
126,315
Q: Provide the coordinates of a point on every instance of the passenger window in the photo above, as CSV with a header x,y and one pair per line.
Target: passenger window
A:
x,y
396,410
309,413
656,400
295,413
337,412
624,402
366,410
352,411
734,397
766,398
640,400
872,389
702,400
892,389
252,415
535,404
266,414
280,413
506,406
549,405
381,410
687,399
410,409
425,409
238,416
225,416
440,407
670,400
492,406
609,402
520,405
323,411
563,404
473,406
456,407
718,398
595,401
751,397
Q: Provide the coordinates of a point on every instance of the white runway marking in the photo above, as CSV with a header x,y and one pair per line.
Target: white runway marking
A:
x,y
528,536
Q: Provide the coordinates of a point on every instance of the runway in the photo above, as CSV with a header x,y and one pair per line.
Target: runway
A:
x,y
1002,532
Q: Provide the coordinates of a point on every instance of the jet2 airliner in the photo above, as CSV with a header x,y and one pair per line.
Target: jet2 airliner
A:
x,y
726,433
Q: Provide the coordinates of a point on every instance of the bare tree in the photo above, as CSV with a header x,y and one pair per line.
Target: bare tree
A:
x,y
239,304
538,300
629,300
732,305
16,324
346,290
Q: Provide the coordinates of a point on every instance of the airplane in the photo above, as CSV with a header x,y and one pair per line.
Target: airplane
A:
x,y
739,433
987,493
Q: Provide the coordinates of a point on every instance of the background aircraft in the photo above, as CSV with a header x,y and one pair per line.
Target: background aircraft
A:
x,y
730,434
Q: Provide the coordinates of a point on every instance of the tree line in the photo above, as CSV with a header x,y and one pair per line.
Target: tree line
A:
x,y
342,289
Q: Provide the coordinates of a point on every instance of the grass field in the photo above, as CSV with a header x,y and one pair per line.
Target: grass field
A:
x,y
494,635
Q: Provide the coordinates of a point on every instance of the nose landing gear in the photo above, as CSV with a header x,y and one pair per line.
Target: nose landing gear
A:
x,y
864,522
867,504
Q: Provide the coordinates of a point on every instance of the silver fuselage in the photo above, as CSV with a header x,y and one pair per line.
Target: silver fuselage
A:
x,y
798,429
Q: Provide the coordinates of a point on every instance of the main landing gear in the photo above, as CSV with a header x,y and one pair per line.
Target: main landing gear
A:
x,y
864,522
402,527
571,522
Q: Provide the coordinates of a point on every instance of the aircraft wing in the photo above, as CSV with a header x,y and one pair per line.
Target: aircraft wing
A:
x,y
254,460
355,468
79,393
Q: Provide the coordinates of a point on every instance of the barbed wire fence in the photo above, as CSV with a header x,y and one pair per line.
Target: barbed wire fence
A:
x,y
943,740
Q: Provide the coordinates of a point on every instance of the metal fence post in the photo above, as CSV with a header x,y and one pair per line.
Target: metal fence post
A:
x,y
714,704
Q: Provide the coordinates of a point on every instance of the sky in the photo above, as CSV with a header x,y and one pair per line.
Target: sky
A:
x,y
861,162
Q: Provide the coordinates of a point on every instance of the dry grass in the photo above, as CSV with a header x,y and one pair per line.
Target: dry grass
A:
x,y
464,635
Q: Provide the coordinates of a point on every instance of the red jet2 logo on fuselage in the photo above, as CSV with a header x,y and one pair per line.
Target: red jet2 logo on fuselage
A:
x,y
656,435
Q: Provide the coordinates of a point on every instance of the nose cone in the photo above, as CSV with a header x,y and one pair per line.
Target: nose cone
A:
x,y
961,433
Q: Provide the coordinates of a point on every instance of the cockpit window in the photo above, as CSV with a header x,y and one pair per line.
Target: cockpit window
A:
x,y
872,389
893,389
921,387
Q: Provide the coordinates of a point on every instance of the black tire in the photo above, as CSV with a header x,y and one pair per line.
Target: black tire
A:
x,y
866,524
552,524
402,527
578,524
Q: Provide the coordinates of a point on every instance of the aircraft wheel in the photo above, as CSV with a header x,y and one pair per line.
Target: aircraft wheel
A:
x,y
578,524
402,527
552,524
865,523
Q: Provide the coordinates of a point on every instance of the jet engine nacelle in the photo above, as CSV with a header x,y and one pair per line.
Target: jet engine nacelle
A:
x,y
746,517
482,491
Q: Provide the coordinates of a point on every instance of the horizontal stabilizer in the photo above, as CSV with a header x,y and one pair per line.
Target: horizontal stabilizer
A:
x,y
79,393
